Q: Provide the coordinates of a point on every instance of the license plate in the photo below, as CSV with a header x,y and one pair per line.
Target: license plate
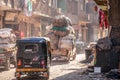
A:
x,y
31,69
27,65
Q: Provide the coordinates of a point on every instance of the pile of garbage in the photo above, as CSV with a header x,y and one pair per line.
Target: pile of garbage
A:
x,y
62,26
7,38
61,33
113,74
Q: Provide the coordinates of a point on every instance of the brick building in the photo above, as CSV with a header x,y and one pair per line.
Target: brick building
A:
x,y
14,14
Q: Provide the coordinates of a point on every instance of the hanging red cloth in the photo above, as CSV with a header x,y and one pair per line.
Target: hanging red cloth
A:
x,y
102,19
106,23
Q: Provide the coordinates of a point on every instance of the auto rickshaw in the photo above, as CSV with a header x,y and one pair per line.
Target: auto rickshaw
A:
x,y
33,57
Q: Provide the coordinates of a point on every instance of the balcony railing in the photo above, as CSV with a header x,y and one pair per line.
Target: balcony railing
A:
x,y
39,7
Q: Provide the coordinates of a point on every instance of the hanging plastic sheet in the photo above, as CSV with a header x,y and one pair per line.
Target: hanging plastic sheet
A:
x,y
103,19
28,8
104,43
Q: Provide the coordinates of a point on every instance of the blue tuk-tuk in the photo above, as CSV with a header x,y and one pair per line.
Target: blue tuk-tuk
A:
x,y
33,57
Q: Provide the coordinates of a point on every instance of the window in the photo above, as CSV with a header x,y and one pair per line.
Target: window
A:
x,y
10,16
31,48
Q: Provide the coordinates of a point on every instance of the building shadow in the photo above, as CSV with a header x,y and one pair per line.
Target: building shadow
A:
x,y
59,62
30,78
77,74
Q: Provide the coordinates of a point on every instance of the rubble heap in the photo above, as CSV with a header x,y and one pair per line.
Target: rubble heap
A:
x,y
61,33
7,39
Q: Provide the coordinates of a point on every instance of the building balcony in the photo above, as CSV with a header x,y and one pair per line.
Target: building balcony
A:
x,y
39,7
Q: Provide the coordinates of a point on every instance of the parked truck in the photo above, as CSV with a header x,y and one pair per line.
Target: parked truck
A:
x,y
62,38
7,48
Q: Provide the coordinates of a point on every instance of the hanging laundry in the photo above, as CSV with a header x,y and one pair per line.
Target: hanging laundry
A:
x,y
106,23
102,19
28,8
29,5
100,13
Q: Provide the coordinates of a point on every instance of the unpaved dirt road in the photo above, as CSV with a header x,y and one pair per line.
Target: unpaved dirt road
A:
x,y
60,70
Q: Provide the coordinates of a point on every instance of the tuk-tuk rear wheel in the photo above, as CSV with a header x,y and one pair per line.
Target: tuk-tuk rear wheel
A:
x,y
46,78
48,72
17,78
48,75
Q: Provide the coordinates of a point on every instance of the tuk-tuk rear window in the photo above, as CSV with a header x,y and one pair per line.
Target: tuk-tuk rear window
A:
x,y
31,48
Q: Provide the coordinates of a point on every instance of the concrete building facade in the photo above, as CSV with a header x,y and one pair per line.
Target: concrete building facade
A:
x,y
28,16
83,16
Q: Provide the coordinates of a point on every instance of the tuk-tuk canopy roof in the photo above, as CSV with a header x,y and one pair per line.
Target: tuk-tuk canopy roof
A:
x,y
34,39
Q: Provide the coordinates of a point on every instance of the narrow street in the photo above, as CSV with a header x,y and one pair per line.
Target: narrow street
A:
x,y
32,30
60,70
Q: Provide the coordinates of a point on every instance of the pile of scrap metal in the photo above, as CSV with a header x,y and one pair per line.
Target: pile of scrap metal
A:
x,y
61,35
7,39
7,48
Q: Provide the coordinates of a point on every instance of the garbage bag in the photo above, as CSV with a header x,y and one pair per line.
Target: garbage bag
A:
x,y
104,43
113,74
